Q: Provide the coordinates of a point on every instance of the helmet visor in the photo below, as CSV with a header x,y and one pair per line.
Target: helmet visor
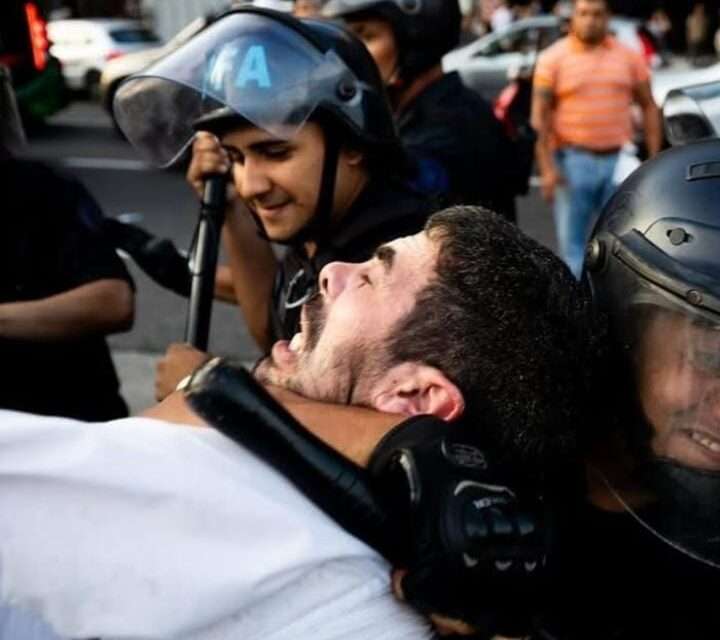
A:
x,y
265,71
12,135
692,113
675,488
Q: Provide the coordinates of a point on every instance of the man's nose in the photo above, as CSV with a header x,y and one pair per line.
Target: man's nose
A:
x,y
250,180
333,278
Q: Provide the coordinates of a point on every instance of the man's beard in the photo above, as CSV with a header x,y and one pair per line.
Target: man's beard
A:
x,y
267,370
342,376
315,318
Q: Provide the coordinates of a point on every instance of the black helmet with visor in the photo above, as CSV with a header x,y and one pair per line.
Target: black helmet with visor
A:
x,y
653,265
425,29
271,71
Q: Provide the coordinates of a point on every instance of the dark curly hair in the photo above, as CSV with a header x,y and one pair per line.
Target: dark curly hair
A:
x,y
505,320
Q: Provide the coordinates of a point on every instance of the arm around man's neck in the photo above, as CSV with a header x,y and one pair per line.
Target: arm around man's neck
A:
x,y
352,431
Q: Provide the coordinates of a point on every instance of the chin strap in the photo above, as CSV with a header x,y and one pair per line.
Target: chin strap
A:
x,y
317,229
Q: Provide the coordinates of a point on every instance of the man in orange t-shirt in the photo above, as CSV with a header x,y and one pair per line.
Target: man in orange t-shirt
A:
x,y
583,91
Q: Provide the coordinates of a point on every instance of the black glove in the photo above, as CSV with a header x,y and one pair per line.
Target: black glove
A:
x,y
159,258
477,549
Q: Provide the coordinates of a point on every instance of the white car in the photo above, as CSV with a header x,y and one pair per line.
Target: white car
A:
x,y
84,47
484,64
682,75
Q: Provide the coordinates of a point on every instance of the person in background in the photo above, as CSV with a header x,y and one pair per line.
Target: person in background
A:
x,y
583,91
502,16
697,32
459,148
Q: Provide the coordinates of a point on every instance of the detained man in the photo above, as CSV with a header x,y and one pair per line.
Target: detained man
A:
x,y
144,530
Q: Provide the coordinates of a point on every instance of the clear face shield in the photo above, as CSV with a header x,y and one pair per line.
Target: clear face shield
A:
x,y
674,486
262,69
12,134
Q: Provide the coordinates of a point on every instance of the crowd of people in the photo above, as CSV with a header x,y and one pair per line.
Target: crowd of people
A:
x,y
452,429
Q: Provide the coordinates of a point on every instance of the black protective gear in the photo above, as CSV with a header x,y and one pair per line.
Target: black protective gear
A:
x,y
480,537
260,67
475,539
657,239
369,127
425,30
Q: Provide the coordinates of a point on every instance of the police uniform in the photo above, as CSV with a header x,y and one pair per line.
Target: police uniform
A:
x,y
51,243
633,585
384,211
652,565
459,147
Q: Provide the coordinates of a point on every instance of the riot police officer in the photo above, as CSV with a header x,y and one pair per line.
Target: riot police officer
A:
x,y
296,112
459,147
647,542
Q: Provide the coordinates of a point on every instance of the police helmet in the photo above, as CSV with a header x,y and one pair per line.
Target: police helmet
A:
x,y
653,265
658,239
425,29
262,67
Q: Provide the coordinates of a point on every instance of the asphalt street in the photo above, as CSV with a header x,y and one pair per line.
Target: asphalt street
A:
x,y
82,141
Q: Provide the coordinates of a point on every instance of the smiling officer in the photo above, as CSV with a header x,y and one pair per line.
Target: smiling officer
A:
x,y
296,113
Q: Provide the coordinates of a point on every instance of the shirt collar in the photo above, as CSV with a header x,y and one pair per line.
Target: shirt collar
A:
x,y
578,45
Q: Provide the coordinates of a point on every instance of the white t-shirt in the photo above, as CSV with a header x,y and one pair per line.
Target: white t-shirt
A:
x,y
141,529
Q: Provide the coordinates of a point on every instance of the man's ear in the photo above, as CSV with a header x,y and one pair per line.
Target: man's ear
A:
x,y
412,388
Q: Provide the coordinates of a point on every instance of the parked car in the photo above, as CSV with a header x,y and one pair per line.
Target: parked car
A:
x,y
36,75
117,70
692,113
682,76
484,64
84,47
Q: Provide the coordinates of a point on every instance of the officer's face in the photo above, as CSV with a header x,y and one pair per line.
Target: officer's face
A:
x,y
590,20
339,354
280,179
679,385
379,38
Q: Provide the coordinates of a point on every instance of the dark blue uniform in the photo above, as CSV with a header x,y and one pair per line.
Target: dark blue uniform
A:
x,y
50,242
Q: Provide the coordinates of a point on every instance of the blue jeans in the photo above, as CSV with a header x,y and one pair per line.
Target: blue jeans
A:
x,y
588,185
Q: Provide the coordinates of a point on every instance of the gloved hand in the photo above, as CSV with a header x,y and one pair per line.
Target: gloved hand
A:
x,y
478,543
159,258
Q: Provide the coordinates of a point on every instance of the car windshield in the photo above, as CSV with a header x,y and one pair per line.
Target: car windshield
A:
x,y
131,36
